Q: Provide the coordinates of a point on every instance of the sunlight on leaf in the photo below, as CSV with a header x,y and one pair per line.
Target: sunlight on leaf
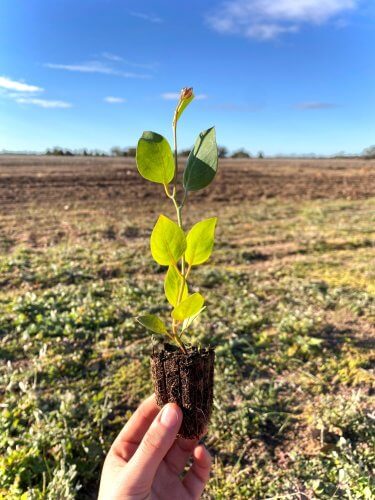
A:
x,y
168,242
154,158
172,286
200,241
188,307
190,320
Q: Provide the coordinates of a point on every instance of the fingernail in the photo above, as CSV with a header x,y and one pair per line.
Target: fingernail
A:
x,y
169,416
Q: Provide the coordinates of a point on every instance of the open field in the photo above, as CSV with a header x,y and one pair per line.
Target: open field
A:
x,y
291,309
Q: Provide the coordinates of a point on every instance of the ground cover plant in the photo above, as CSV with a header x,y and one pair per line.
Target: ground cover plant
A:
x,y
294,347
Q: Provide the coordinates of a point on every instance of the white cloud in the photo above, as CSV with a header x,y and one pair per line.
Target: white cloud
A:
x,y
267,19
268,31
22,93
315,105
315,11
171,96
118,59
90,67
174,96
147,17
8,84
114,100
112,57
95,67
43,103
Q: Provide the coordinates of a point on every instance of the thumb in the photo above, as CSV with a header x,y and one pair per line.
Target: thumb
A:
x,y
154,446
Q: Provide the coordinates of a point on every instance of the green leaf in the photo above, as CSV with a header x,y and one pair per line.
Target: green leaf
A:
x,y
154,158
153,323
168,242
202,162
200,241
172,286
188,321
190,306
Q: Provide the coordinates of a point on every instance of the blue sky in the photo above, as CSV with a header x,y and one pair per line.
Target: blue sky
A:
x,y
292,76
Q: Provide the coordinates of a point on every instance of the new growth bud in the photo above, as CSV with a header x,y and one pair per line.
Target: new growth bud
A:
x,y
186,96
186,93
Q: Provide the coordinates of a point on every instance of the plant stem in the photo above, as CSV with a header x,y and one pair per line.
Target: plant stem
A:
x,y
167,191
183,199
175,155
177,338
188,272
180,343
179,222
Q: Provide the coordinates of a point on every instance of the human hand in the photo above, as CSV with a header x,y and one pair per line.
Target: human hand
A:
x,y
146,460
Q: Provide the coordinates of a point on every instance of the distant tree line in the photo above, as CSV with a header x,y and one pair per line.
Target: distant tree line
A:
x,y
369,152
130,152
127,152
74,152
224,153
115,151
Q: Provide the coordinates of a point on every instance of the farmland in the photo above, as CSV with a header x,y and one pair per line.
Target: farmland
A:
x,y
291,311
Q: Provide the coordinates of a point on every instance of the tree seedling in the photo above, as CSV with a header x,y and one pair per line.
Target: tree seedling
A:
x,y
170,245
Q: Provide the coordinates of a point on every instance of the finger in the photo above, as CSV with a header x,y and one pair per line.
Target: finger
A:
x,y
155,445
199,473
132,433
179,454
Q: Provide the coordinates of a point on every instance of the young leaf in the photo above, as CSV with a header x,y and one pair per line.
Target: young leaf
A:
x,y
172,286
186,97
188,307
188,321
200,241
202,162
153,323
168,242
154,158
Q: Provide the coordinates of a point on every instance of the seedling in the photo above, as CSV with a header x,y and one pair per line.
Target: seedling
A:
x,y
170,245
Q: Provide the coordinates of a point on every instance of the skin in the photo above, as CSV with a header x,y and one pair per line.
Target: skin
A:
x,y
146,460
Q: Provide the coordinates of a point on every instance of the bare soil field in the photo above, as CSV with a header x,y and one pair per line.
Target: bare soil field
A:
x,y
32,179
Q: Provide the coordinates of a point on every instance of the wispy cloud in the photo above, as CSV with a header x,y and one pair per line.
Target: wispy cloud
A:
x,y
268,19
119,59
43,103
146,17
89,67
114,100
95,67
315,105
264,31
174,96
112,57
8,84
